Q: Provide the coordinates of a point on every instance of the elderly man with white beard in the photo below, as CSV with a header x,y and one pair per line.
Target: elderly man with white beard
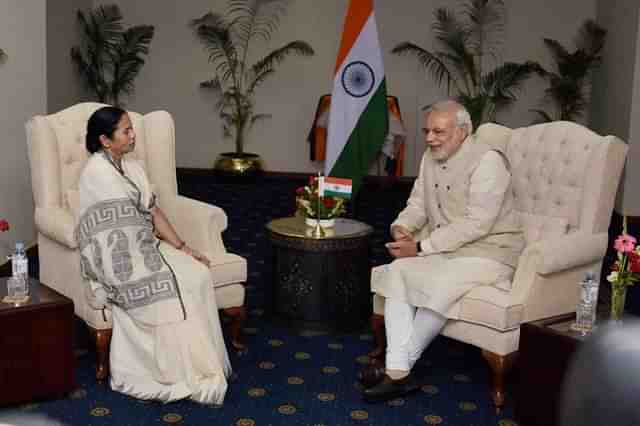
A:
x,y
462,201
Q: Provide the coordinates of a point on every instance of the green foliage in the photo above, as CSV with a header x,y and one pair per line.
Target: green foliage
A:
x,y
465,45
110,57
228,38
569,84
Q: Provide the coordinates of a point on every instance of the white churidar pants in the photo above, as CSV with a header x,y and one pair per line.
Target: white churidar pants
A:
x,y
409,332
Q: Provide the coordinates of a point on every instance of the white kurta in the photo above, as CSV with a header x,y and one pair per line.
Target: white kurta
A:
x,y
436,280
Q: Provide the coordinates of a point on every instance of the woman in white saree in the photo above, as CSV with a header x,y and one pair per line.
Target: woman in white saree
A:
x,y
167,341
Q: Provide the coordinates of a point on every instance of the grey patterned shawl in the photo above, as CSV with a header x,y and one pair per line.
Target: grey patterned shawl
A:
x,y
118,249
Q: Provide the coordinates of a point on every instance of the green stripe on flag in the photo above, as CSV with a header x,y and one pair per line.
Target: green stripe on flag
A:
x,y
330,193
365,141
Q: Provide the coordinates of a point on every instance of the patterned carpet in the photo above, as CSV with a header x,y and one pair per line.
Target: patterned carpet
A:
x,y
288,378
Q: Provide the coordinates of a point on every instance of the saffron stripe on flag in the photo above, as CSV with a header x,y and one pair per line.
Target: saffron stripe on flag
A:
x,y
358,113
338,181
336,187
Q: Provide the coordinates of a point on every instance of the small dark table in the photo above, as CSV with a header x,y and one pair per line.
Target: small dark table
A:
x,y
546,347
36,346
321,283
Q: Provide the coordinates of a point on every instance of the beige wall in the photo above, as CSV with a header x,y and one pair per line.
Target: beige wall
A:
x,y
616,91
177,64
23,85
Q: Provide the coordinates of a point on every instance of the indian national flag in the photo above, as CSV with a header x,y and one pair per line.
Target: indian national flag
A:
x,y
335,187
358,116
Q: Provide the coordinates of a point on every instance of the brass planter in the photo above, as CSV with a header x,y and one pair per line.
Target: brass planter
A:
x,y
233,164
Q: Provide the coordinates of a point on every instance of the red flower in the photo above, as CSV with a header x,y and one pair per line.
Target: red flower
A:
x,y
634,262
312,180
328,202
4,225
300,191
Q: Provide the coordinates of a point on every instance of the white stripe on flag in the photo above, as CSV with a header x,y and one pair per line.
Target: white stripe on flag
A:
x,y
345,109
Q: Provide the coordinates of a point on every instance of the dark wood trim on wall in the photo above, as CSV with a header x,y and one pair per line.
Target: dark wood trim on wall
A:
x,y
295,175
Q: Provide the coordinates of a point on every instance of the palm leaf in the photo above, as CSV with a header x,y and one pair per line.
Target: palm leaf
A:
x,y
259,117
103,26
567,87
591,38
258,78
109,58
277,56
502,83
430,62
128,59
543,116
484,26
559,53
452,35
213,31
255,18
102,30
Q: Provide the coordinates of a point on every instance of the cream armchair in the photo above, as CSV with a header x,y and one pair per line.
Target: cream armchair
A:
x,y
564,180
57,155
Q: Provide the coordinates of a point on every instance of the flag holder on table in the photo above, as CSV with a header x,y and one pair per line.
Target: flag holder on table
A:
x,y
318,232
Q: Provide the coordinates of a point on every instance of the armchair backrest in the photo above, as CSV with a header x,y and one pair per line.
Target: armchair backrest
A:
x,y
565,176
57,151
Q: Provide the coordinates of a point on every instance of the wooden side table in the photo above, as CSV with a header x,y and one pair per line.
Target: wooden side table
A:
x,y
546,347
321,283
36,346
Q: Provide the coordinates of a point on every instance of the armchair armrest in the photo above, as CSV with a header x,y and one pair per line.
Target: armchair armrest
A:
x,y
199,224
569,251
545,281
56,223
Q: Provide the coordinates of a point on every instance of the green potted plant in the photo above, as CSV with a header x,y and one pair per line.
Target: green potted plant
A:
x,y
466,44
228,38
110,57
569,84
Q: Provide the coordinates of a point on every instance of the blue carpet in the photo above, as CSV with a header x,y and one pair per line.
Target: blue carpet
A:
x,y
288,378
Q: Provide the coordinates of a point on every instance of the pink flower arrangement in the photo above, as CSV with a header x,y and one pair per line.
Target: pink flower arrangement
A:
x,y
626,268
4,225
624,272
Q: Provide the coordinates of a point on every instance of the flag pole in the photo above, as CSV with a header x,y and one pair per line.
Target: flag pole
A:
x,y
318,232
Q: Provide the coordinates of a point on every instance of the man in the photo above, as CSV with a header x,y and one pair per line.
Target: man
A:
x,y
459,230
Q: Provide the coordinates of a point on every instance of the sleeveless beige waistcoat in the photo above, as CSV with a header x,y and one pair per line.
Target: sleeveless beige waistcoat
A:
x,y
446,195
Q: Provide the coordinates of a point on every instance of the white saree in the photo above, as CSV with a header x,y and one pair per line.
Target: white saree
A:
x,y
167,341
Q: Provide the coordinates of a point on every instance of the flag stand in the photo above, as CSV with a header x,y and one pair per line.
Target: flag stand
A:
x,y
318,232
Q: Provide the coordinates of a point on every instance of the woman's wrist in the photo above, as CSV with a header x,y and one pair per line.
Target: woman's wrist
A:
x,y
182,245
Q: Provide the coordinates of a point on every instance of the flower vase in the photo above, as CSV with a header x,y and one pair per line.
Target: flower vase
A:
x,y
618,297
325,223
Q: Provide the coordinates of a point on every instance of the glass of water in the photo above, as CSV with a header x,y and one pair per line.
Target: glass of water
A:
x,y
17,287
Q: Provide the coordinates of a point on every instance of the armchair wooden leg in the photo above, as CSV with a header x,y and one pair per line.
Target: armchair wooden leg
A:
x,y
500,366
238,315
102,340
377,325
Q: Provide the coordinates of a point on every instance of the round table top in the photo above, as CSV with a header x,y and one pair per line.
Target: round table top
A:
x,y
295,227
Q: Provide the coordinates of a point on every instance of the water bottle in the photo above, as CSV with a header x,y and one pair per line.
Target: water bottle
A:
x,y
19,263
586,309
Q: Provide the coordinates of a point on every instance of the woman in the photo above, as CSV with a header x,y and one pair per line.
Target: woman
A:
x,y
167,342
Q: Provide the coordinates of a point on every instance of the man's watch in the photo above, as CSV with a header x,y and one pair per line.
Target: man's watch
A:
x,y
418,247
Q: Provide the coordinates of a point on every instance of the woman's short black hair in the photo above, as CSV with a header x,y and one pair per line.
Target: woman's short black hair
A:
x,y
103,121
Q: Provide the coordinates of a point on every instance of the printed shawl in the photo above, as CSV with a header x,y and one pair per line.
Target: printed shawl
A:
x,y
118,249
